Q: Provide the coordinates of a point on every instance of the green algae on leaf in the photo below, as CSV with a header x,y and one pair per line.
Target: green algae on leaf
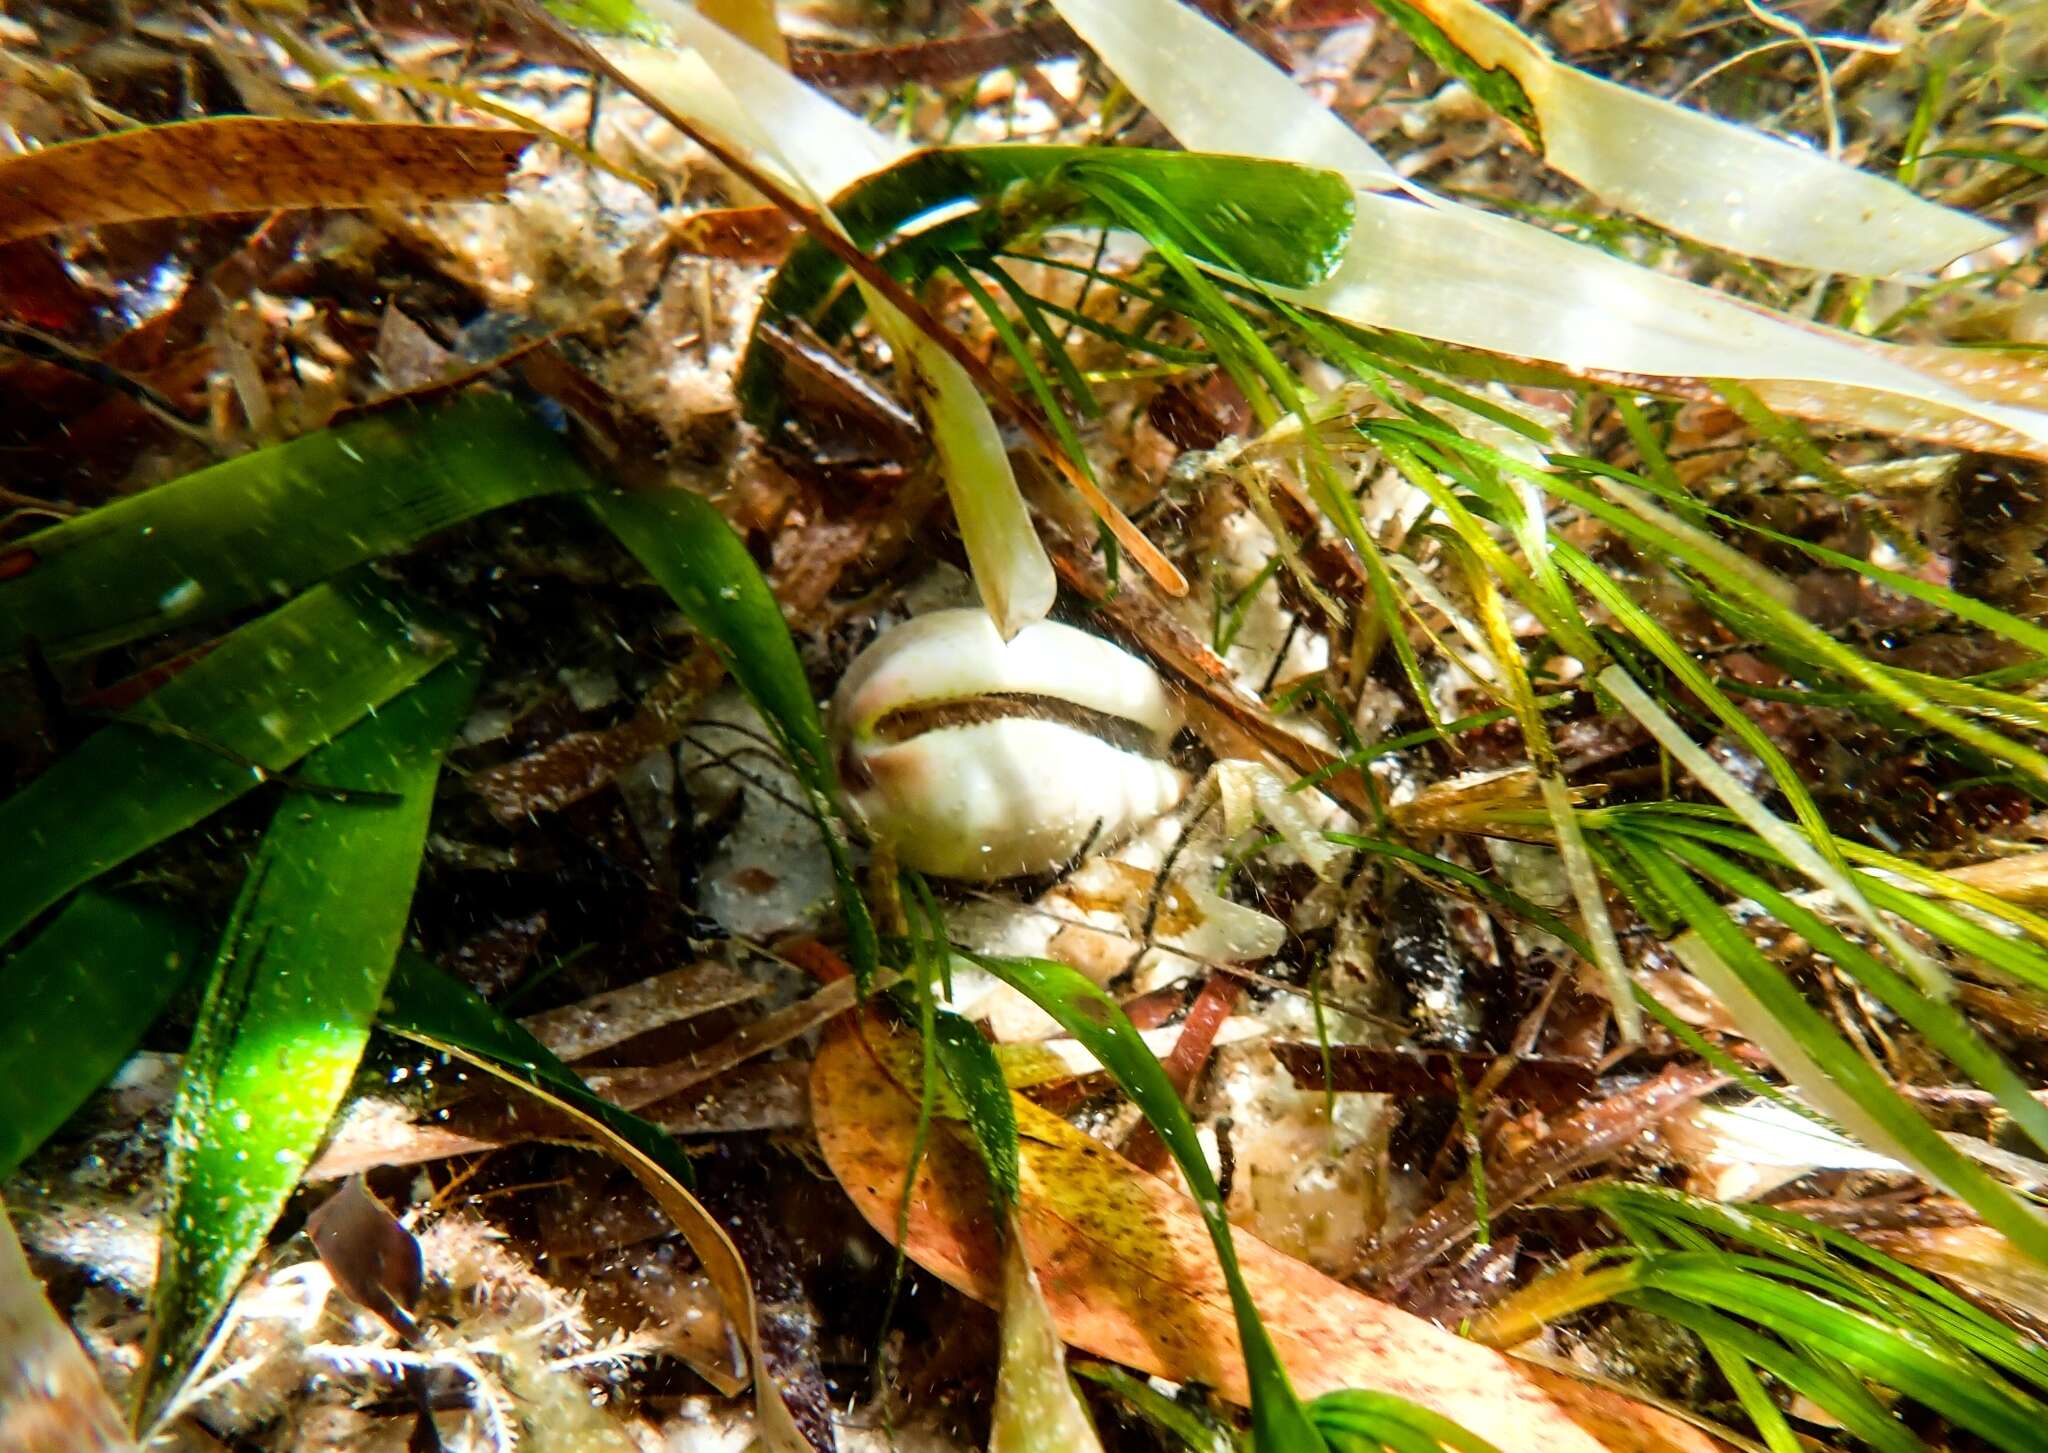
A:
x,y
293,989
268,694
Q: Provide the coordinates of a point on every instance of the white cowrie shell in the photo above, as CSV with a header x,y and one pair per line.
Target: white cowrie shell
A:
x,y
980,758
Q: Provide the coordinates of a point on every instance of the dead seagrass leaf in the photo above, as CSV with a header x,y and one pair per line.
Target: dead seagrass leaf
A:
x,y
249,164
51,1400
1129,1274
373,1259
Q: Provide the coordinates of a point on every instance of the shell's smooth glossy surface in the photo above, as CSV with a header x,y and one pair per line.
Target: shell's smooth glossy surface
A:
x,y
978,758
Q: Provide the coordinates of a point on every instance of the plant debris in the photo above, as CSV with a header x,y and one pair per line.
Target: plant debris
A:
x,y
1567,478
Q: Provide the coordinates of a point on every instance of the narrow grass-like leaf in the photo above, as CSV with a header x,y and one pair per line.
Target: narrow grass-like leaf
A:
x,y
1034,376
1843,1397
1798,637
428,1006
1377,1418
1937,1020
270,693
685,544
2003,623
2019,159
1973,1398
424,1003
2007,951
270,523
1815,1057
1277,222
1034,317
1910,1295
975,1076
296,982
1180,1419
79,996
1571,843
1479,883
1800,851
1279,1422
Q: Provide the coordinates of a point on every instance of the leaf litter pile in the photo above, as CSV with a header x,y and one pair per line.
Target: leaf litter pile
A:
x,y
1094,725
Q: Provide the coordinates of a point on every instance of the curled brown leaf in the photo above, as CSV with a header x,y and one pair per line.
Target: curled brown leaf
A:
x,y
249,164
1129,1273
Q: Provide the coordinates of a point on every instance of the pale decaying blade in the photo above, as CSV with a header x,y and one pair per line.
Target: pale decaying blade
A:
x,y
1037,1410
51,1400
1129,1272
818,149
1422,264
1717,182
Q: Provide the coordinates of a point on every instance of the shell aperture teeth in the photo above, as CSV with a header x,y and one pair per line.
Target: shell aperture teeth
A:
x,y
910,721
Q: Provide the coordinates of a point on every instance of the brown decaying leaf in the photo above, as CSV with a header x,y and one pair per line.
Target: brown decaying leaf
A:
x,y
1129,1273
577,1030
249,164
1544,1084
774,1423
751,1098
949,58
714,1099
633,1088
2022,880
1592,1134
51,1400
1975,1258
375,1262
570,768
1185,1062
170,349
36,289
758,235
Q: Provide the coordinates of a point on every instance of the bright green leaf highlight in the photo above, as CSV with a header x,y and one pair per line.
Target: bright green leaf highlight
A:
x,y
294,987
